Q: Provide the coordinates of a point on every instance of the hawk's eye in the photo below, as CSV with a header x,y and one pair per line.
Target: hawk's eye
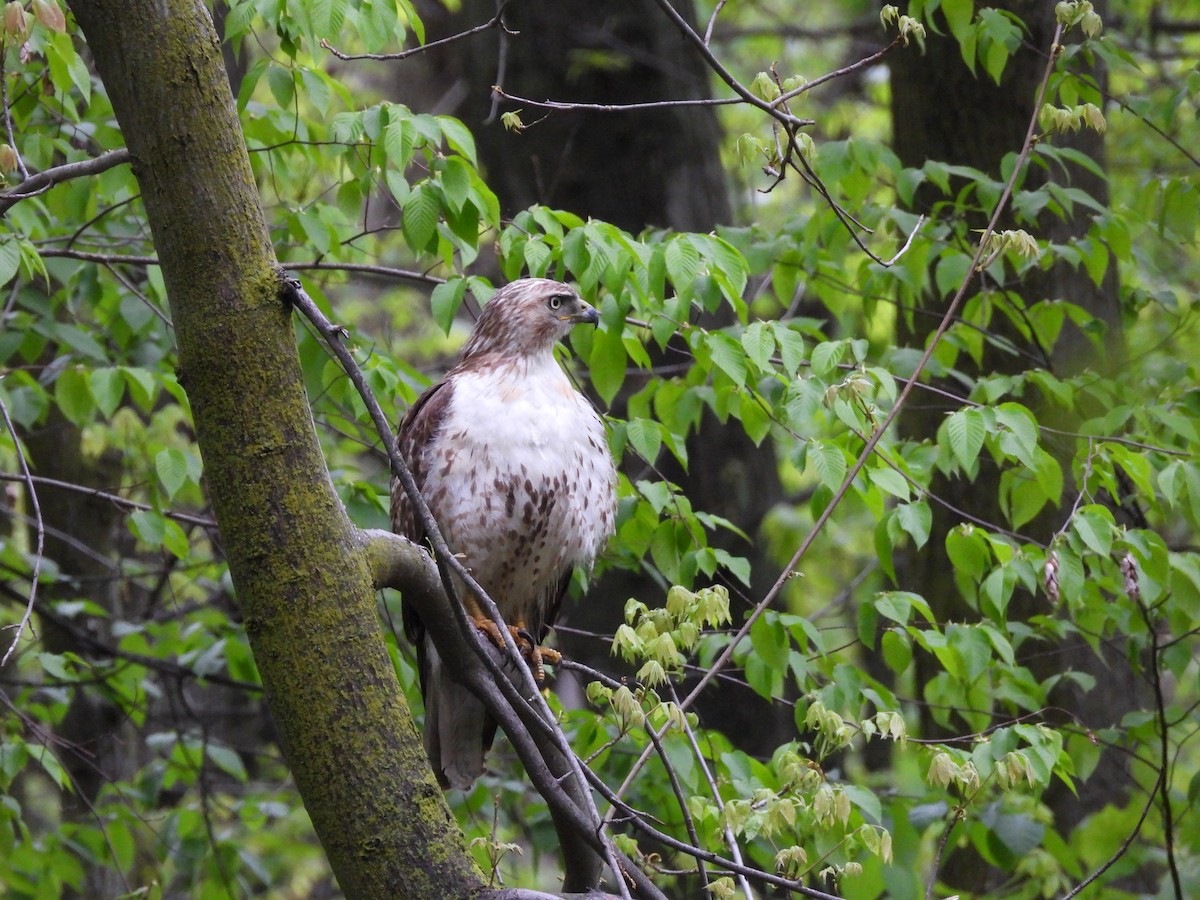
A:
x,y
557,301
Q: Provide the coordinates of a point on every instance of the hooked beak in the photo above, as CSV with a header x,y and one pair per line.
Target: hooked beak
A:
x,y
588,314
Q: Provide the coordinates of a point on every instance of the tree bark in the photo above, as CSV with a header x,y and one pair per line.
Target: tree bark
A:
x,y
300,569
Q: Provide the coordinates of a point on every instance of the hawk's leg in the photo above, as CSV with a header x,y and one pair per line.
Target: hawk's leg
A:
x,y
533,655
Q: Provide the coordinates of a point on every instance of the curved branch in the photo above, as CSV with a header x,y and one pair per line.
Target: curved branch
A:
x,y
43,181
510,694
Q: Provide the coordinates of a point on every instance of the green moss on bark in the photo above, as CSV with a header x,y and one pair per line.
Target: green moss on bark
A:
x,y
300,569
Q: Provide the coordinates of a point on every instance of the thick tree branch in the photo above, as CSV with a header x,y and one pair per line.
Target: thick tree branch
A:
x,y
43,181
306,595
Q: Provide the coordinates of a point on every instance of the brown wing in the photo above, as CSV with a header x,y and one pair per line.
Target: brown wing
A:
x,y
418,430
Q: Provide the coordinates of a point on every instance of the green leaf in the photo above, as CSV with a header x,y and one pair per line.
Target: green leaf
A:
x,y
171,466
456,183
897,651
890,481
420,217
606,365
10,259
1021,437
227,760
826,356
728,356
759,343
73,394
459,137
683,263
646,437
917,519
791,348
446,300
1095,527
828,462
965,429
399,138
148,526
967,551
143,387
108,388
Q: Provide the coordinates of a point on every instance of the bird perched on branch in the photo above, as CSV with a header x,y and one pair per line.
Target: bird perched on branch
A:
x,y
515,468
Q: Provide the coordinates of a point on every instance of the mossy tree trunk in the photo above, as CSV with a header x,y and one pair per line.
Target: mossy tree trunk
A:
x,y
300,567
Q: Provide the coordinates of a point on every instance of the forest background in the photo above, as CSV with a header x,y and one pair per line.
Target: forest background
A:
x,y
896,358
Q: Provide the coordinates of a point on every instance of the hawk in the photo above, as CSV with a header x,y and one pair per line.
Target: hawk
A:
x,y
514,465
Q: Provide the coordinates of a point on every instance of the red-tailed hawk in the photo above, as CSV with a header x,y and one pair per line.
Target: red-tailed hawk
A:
x,y
514,465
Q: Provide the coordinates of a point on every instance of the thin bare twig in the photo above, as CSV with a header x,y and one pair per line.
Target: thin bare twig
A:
x,y
8,126
39,528
1125,844
493,22
730,838
570,106
115,499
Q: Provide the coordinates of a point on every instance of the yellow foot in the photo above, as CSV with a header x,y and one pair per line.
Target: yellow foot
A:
x,y
534,656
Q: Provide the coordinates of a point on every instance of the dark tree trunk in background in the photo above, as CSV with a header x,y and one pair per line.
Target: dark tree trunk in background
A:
x,y
653,168
81,534
940,111
658,167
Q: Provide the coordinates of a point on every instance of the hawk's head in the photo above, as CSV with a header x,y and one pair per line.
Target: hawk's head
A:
x,y
527,317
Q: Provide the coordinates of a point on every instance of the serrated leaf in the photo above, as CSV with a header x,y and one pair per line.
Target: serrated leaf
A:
x,y
456,183
826,356
1094,525
683,263
419,222
459,137
965,429
606,364
148,526
791,348
227,760
728,356
399,139
174,539
759,343
645,435
10,260
143,388
1022,435
171,466
828,462
890,481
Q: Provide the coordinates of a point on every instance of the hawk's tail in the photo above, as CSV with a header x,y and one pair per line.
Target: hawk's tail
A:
x,y
458,729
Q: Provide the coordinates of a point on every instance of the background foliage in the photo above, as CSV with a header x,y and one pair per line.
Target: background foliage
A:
x,y
137,755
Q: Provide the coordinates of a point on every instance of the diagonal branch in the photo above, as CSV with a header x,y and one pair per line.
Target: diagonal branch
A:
x,y
40,530
510,694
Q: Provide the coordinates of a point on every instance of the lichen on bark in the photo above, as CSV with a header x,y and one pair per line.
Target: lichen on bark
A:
x,y
300,569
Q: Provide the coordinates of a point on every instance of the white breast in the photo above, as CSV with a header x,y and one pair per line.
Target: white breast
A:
x,y
521,480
